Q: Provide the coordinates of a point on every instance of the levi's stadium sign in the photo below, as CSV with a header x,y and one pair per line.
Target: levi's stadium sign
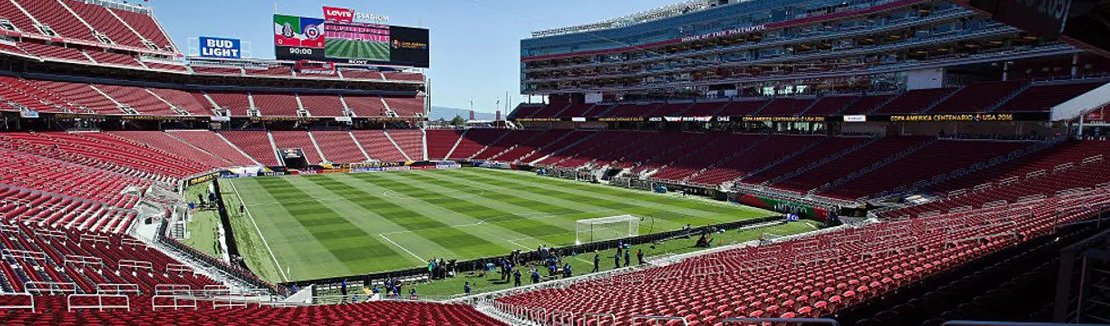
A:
x,y
346,15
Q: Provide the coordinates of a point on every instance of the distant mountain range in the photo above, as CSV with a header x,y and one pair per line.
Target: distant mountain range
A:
x,y
446,113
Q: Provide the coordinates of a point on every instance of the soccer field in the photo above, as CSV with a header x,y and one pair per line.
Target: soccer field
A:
x,y
337,48
309,227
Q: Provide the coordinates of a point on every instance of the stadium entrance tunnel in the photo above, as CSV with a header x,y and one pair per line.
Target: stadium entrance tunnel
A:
x,y
294,158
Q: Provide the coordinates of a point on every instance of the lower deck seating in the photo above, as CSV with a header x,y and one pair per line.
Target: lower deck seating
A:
x,y
474,142
378,146
85,259
104,152
410,141
841,269
166,142
1059,170
339,147
213,143
298,140
440,142
256,144
392,313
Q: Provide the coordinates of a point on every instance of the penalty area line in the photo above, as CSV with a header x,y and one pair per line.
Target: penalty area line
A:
x,y
400,246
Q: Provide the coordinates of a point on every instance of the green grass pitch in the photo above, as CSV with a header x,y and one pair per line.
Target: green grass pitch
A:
x,y
309,227
350,49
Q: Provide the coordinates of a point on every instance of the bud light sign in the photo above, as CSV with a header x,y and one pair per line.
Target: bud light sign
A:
x,y
224,48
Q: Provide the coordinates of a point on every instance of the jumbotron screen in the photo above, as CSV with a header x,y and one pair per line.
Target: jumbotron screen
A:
x,y
342,40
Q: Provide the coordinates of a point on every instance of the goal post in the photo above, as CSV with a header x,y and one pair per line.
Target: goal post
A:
x,y
606,228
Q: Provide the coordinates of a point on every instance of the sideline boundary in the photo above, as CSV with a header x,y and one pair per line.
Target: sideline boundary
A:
x,y
250,216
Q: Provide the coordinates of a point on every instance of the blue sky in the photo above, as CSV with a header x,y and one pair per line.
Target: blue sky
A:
x,y
475,44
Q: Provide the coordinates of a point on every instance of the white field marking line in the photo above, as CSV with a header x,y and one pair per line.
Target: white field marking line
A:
x,y
480,222
388,194
400,246
454,194
538,216
518,244
246,208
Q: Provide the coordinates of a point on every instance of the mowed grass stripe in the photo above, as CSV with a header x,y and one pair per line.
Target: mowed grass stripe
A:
x,y
704,205
403,219
601,190
291,241
666,216
594,207
514,215
465,199
512,201
668,209
349,244
475,240
350,205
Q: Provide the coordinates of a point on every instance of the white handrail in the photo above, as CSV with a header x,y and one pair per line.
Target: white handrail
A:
x,y
99,302
49,287
177,303
28,295
117,288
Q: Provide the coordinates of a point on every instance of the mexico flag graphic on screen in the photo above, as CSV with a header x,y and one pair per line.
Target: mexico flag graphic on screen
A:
x,y
293,31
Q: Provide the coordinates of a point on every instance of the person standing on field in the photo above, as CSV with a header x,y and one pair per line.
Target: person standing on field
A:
x,y
597,262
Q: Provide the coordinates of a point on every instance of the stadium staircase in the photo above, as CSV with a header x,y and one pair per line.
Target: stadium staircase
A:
x,y
877,165
273,148
940,100
969,170
395,145
487,308
456,145
388,111
823,161
727,158
1006,99
780,160
411,142
217,140
424,144
558,140
253,110
378,146
316,146
879,105
688,155
764,106
562,149
301,110
347,112
487,146
360,148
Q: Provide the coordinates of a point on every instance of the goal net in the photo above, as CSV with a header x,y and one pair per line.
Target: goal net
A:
x,y
606,228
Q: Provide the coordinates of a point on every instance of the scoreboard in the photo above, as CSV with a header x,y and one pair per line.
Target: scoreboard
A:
x,y
346,36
